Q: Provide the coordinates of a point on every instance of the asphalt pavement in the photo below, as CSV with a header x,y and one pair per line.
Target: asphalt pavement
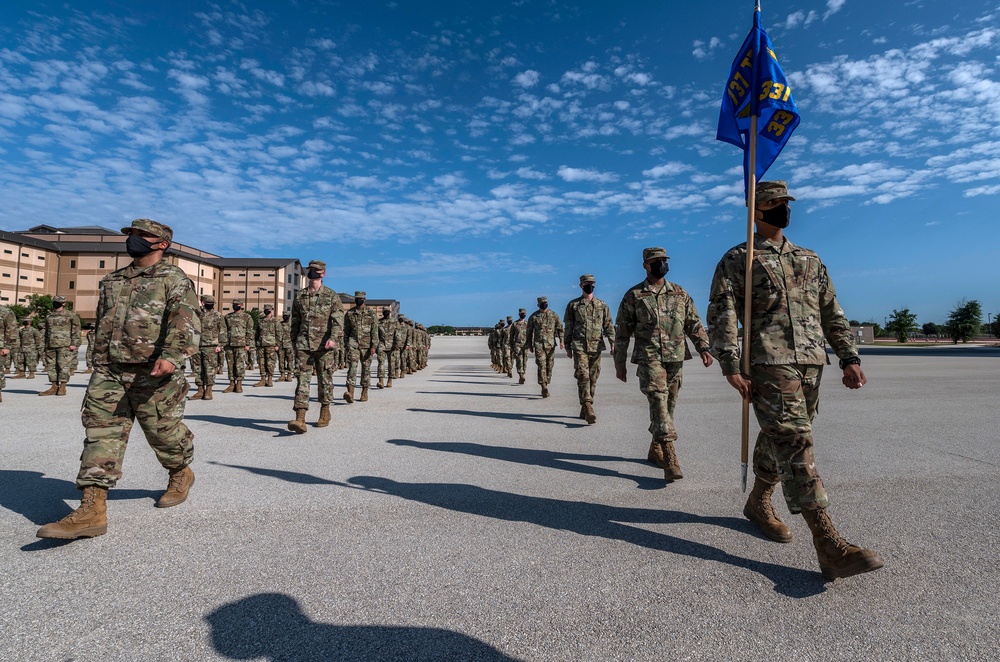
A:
x,y
459,516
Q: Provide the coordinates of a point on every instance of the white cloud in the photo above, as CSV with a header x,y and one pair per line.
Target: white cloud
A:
x,y
527,78
832,7
569,174
666,170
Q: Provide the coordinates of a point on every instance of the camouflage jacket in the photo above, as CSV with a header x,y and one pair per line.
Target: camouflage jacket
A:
x,y
388,340
145,314
399,339
9,335
239,329
794,307
503,339
659,320
587,324
317,317
518,334
62,329
269,332
286,334
543,329
361,328
213,329
31,338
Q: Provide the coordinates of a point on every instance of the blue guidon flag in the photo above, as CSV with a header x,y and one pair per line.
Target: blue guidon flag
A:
x,y
757,86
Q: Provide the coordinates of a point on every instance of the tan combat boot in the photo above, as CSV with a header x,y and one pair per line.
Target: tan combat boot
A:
x,y
324,416
91,370
760,511
18,375
199,395
87,521
381,383
178,485
673,469
262,382
349,394
364,394
52,390
270,381
231,387
298,426
837,557
520,380
31,374
545,391
61,390
388,384
656,454
588,414
208,393
239,386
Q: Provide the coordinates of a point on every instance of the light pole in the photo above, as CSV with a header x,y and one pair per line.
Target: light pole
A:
x,y
989,324
258,291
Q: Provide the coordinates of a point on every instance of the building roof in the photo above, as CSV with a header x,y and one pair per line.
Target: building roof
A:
x,y
224,262
16,238
81,229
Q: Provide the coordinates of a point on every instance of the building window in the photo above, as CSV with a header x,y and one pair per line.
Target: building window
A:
x,y
270,275
41,257
25,255
6,275
203,271
201,290
4,299
8,252
72,285
72,264
256,275
289,279
225,291
24,278
100,265
39,280
228,275
240,292
242,275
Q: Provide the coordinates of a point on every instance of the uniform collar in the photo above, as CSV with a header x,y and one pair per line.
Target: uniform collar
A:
x,y
132,270
648,287
761,244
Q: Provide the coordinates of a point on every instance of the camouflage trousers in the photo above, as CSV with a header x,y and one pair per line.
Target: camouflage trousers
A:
x,y
520,359
384,359
394,364
117,395
354,357
27,360
660,383
544,358
320,362
251,357
208,360
505,361
61,363
195,361
586,369
786,399
286,360
7,359
236,359
267,361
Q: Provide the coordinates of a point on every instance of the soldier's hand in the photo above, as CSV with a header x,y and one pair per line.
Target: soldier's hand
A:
x,y
741,384
561,346
161,368
246,347
4,352
854,377
73,347
569,353
531,349
621,374
706,358
218,349
329,344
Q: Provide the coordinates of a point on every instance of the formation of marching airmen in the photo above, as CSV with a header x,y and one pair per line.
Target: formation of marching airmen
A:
x,y
149,323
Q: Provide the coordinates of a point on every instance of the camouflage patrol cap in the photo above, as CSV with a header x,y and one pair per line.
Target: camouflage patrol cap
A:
x,y
237,302
208,298
152,227
501,321
386,309
358,294
767,191
521,310
510,318
654,253
318,265
268,306
587,278
543,299
58,299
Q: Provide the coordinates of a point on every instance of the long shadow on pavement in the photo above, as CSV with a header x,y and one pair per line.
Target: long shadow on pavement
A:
x,y
288,476
463,381
482,395
507,416
538,458
272,626
250,423
590,519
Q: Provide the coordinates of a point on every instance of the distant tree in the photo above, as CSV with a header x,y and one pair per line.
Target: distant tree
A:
x,y
965,321
854,322
877,330
40,305
20,312
929,329
902,323
442,330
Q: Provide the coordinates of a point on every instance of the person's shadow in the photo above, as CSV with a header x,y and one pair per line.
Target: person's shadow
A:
x,y
287,476
539,458
272,626
250,423
590,519
508,416
41,499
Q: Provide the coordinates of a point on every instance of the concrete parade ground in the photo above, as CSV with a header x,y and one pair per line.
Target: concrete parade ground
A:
x,y
459,516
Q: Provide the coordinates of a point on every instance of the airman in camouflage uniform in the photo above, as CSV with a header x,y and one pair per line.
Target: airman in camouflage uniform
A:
x,y
588,322
491,342
385,348
519,344
30,343
503,340
362,335
147,326
793,309
240,336
9,339
317,329
398,347
89,354
268,341
62,338
544,328
659,314
286,355
214,337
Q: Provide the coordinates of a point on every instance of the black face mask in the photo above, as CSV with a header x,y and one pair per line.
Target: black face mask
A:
x,y
237,308
359,302
779,216
137,247
385,316
659,268
521,316
57,306
313,275
543,306
209,306
588,288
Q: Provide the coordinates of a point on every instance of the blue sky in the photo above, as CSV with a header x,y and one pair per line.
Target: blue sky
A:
x,y
466,157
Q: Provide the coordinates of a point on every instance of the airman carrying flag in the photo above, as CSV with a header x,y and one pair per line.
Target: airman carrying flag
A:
x,y
756,70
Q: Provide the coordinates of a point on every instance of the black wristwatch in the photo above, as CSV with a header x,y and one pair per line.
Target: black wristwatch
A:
x,y
851,360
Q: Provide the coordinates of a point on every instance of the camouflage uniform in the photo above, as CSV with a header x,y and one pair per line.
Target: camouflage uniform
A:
x,y
286,355
491,342
316,318
239,331
214,336
385,351
268,341
794,308
587,324
143,314
398,347
31,341
519,344
544,328
62,338
659,319
503,346
362,335
9,339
